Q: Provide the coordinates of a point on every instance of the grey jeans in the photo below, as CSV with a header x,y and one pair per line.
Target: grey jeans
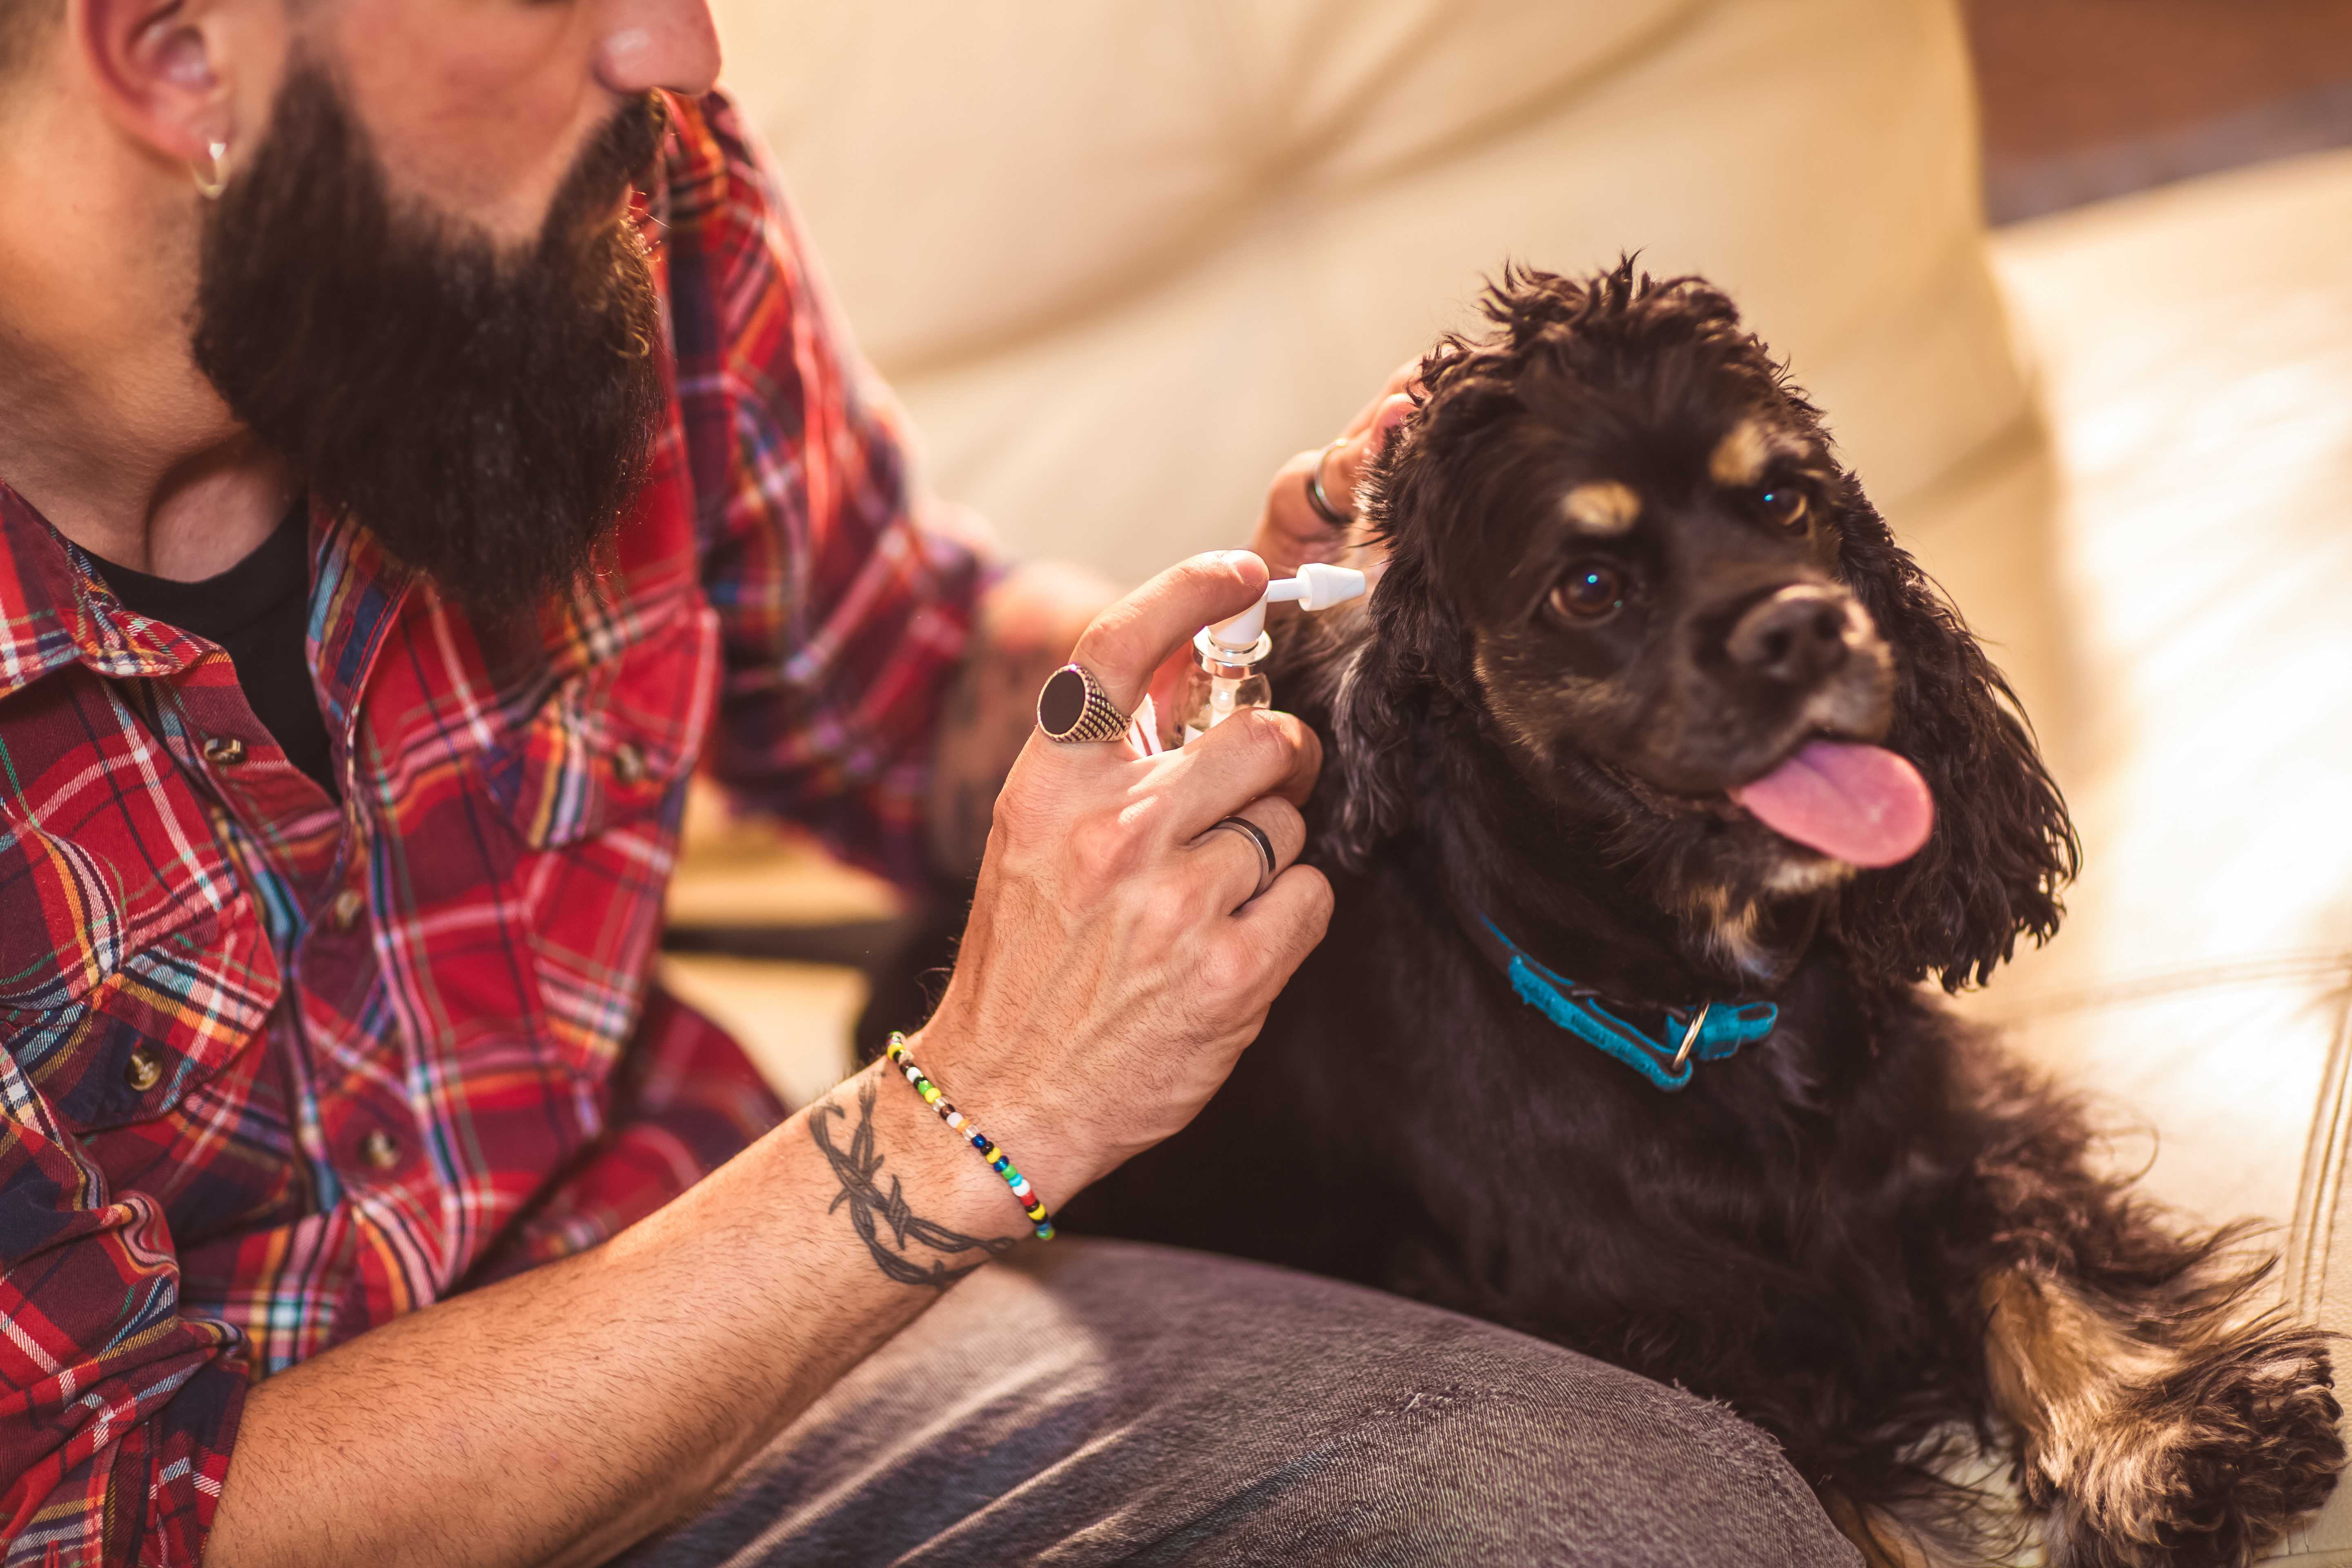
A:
x,y
1091,1402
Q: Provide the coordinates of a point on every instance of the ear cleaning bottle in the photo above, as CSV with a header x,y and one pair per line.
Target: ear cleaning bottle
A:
x,y
1225,678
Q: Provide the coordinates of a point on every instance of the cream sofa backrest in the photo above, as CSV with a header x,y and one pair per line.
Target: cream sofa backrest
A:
x,y
1118,260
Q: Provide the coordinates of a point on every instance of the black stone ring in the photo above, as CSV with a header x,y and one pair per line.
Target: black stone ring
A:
x,y
1073,707
1316,497
1257,835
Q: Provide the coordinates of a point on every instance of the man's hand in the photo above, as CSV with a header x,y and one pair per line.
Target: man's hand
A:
x,y
1117,961
1029,619
1289,531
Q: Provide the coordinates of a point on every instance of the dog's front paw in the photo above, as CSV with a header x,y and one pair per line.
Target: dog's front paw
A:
x,y
2207,1465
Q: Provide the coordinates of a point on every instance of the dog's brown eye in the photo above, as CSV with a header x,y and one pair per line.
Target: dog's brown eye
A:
x,y
1785,505
1590,591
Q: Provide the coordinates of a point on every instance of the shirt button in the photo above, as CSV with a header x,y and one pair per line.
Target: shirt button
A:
x,y
145,1069
223,750
381,1150
344,912
628,763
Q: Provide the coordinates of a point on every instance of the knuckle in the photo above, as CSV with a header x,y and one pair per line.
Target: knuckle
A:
x,y
1226,969
1014,817
1025,812
1264,740
1162,923
1321,900
1102,853
1109,645
1283,823
1288,477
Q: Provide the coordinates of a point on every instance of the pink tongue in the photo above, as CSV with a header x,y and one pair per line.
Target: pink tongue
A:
x,y
1862,804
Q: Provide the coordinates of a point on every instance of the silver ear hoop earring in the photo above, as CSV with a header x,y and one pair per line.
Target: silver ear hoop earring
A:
x,y
210,186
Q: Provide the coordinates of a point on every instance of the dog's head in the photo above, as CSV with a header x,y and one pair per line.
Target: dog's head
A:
x,y
1623,554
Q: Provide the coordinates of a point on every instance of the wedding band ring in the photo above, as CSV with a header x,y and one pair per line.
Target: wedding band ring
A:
x,y
1073,708
1255,834
1316,496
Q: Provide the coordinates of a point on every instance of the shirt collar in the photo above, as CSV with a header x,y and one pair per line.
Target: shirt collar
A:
x,y
356,589
55,609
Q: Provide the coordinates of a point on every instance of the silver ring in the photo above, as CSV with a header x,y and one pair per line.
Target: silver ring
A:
x,y
1073,708
1316,498
1256,835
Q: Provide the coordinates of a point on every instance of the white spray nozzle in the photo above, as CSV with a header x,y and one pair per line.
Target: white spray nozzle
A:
x,y
1317,587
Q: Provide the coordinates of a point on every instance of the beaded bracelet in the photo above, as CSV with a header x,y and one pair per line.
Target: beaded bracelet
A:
x,y
998,1161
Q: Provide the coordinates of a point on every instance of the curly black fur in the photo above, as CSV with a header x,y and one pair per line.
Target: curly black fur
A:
x,y
1872,1234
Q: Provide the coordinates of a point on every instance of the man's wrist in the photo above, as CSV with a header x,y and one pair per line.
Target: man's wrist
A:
x,y
998,1100
926,1207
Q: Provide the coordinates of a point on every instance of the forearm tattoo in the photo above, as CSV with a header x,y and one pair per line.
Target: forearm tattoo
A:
x,y
872,1211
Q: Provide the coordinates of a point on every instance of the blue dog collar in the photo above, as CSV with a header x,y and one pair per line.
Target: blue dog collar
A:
x,y
1711,1033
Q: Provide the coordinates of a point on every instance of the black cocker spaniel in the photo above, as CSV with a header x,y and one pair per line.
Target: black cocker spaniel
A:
x,y
1658,779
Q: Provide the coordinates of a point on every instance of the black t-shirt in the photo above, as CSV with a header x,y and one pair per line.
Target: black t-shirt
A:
x,y
256,610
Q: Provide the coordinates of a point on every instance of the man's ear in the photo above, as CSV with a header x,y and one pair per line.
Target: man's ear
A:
x,y
160,70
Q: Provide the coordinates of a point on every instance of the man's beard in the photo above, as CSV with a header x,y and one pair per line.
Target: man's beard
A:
x,y
487,415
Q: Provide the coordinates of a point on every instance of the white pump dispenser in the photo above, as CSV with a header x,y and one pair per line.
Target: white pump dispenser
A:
x,y
1224,678
1317,587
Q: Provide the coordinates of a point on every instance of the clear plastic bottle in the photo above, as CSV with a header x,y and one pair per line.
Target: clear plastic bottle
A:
x,y
1222,682
1225,677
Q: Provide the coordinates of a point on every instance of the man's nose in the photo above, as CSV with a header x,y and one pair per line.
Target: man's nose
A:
x,y
651,44
1797,636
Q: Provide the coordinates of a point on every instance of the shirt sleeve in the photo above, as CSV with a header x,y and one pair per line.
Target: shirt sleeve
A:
x,y
845,595
116,1412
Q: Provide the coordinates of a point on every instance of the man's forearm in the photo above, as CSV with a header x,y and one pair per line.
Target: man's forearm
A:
x,y
557,1416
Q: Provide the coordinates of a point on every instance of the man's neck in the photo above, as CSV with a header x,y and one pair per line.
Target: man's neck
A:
x,y
184,500
210,514
106,424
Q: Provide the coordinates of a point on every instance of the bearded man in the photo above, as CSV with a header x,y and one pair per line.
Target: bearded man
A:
x,y
423,441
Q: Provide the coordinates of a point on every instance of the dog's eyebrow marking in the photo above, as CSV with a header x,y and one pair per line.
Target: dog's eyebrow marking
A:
x,y
1739,457
1603,506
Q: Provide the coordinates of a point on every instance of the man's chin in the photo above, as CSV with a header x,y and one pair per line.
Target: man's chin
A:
x,y
486,417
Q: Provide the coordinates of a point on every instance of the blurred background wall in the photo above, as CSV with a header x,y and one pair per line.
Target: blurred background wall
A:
x,y
2088,99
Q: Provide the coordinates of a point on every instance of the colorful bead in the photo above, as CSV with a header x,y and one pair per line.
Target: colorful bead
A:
x,y
998,1160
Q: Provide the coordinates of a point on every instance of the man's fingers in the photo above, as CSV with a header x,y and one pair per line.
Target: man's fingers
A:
x,y
1343,468
1129,640
1283,923
1255,752
1244,862
1290,529
1404,379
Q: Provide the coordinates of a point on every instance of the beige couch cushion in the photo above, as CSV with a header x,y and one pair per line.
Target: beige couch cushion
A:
x,y
2195,348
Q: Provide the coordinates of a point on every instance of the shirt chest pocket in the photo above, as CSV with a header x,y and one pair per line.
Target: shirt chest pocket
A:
x,y
133,966
615,737
152,1030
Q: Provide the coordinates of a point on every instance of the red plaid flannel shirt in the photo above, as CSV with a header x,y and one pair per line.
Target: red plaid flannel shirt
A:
x,y
278,1070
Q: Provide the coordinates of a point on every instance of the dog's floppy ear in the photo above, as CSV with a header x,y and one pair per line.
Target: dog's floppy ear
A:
x,y
2003,844
1395,686
1386,693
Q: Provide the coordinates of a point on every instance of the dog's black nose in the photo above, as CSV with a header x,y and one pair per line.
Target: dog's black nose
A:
x,y
1796,637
